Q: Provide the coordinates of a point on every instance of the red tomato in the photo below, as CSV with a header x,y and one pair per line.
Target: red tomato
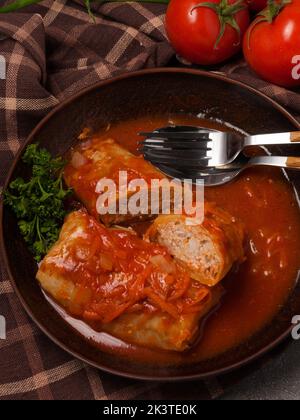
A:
x,y
257,5
272,48
195,31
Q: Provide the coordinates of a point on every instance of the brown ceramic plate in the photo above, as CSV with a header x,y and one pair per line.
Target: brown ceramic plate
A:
x,y
131,96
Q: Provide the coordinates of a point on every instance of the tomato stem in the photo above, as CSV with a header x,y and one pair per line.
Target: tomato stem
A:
x,y
268,15
273,9
226,13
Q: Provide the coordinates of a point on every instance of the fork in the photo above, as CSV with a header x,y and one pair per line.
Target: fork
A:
x,y
224,174
195,147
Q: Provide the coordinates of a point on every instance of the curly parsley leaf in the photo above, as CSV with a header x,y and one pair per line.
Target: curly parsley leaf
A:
x,y
38,203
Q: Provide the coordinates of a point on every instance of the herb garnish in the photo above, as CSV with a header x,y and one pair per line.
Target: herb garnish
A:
x,y
39,203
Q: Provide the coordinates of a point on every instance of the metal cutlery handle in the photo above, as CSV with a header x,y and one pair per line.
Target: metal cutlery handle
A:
x,y
273,139
280,161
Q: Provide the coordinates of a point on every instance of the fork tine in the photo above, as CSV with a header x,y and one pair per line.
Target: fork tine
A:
x,y
184,135
175,146
183,162
191,157
173,153
183,165
163,140
178,154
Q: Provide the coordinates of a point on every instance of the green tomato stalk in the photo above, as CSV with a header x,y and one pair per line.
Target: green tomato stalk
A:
x,y
272,10
226,13
268,15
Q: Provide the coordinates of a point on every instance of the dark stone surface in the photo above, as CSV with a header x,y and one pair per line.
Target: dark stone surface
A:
x,y
277,379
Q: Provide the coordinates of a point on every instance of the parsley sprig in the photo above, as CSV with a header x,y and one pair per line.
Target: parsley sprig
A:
x,y
39,202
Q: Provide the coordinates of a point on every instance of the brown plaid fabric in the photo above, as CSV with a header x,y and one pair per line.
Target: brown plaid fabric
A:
x,y
290,99
53,50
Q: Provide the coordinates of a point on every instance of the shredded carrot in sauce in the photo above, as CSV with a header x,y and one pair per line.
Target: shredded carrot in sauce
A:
x,y
123,273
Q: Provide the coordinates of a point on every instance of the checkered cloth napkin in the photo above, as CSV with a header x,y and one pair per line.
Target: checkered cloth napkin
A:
x,y
53,50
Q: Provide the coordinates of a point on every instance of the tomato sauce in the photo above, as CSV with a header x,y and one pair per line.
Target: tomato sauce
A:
x,y
115,272
265,202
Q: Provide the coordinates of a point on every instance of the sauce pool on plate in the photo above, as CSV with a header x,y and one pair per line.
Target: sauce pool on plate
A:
x,y
265,202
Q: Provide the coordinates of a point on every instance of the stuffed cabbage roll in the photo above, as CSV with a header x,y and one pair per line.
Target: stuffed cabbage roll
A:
x,y
207,251
98,159
123,285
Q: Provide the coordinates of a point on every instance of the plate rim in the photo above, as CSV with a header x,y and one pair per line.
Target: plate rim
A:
x,y
164,70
